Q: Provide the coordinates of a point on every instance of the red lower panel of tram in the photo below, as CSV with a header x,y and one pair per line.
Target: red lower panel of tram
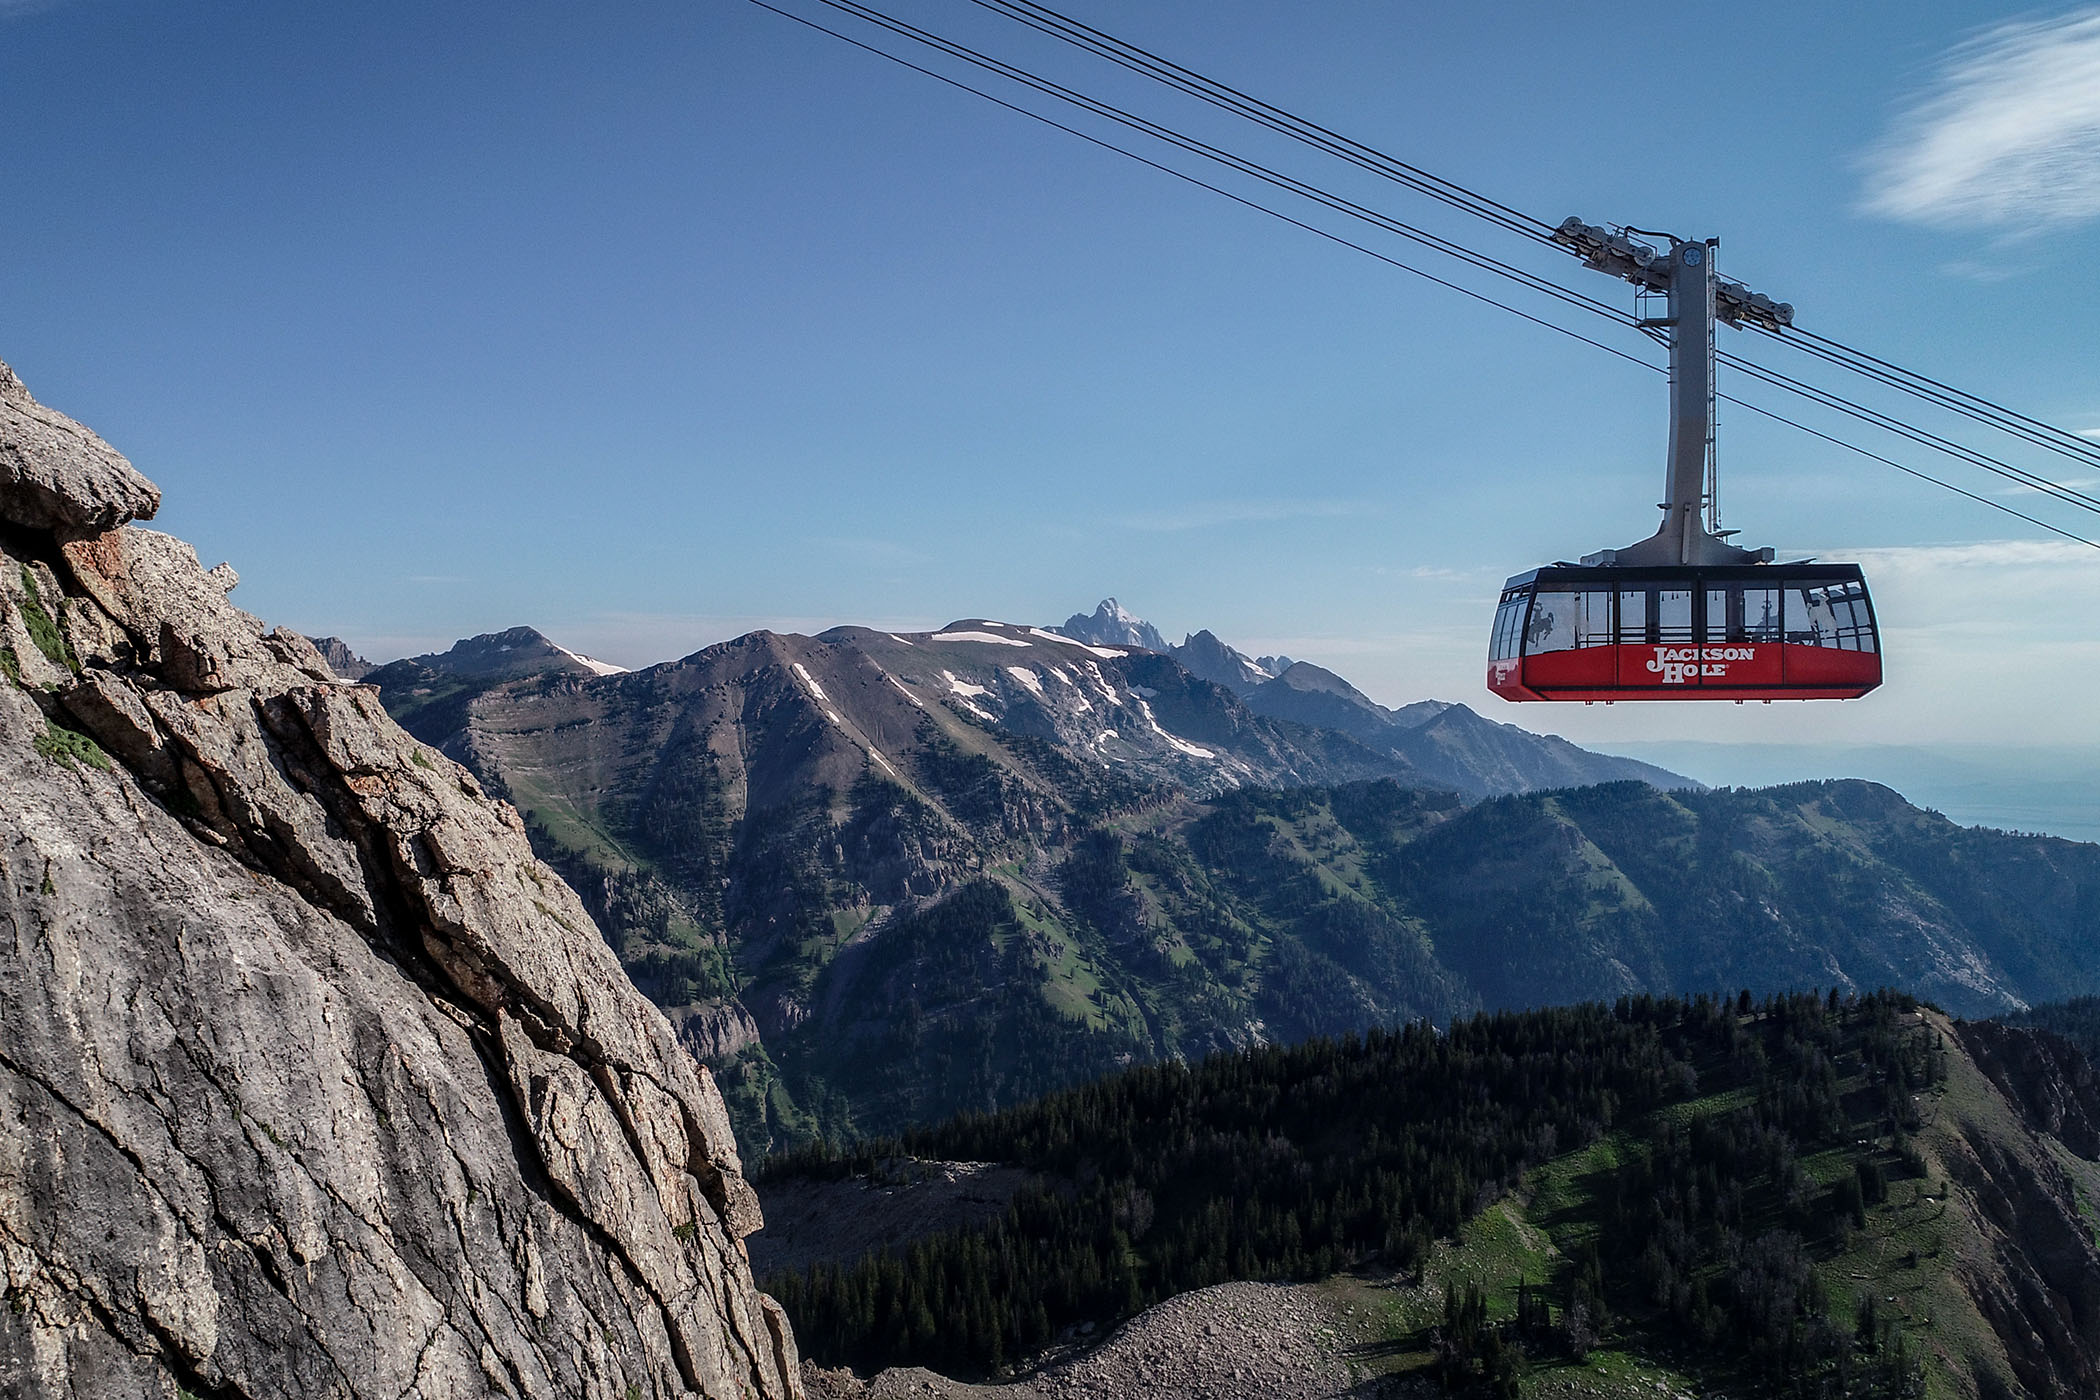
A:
x,y
1714,671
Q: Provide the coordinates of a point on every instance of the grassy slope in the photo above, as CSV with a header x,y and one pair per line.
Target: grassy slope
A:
x,y
1911,1256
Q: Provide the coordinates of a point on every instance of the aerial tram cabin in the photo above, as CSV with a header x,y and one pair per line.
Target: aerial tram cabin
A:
x,y
1725,632
1684,614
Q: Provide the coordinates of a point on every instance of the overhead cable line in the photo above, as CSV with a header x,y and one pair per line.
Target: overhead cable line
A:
x,y
1908,471
2018,475
2034,430
1138,60
1202,184
1380,220
1388,224
1220,156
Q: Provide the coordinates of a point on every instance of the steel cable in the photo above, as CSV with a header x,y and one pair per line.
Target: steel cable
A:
x,y
1467,255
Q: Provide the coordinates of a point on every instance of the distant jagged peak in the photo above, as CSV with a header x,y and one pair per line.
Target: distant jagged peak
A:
x,y
342,659
1303,675
1206,656
515,651
1113,625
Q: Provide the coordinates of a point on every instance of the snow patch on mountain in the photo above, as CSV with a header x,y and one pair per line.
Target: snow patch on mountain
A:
x,y
1105,653
1175,742
1107,693
992,637
811,682
590,663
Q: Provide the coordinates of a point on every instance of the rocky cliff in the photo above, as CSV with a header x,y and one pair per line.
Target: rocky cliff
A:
x,y
313,1080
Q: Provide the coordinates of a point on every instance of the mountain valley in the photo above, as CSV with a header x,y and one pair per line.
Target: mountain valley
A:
x,y
1805,1195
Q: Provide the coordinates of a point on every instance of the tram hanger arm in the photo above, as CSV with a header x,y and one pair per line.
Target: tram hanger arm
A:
x,y
1617,252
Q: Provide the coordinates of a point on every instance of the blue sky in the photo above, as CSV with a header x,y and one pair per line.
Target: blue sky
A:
x,y
650,324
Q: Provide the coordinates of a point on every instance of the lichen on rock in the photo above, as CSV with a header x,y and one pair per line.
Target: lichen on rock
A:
x,y
314,1081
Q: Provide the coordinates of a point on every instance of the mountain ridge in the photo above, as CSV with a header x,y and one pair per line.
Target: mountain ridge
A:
x,y
1447,742
876,877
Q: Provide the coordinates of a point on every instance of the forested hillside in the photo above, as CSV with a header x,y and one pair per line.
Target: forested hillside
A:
x,y
1803,1195
1260,916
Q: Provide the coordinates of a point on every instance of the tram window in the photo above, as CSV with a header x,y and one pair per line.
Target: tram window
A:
x,y
1564,620
1552,623
1847,620
1673,615
1760,616
1856,632
1504,644
1717,629
1828,615
1863,623
1633,616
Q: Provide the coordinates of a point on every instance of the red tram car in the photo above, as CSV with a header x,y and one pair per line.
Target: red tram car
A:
x,y
1684,614
1722,632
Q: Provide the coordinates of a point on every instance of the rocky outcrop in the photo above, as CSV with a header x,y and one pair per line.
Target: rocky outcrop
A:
x,y
56,474
2033,1267
717,1030
313,1080
2046,1076
345,662
1233,1341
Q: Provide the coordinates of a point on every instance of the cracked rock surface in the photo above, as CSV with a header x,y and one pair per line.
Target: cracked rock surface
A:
x,y
313,1081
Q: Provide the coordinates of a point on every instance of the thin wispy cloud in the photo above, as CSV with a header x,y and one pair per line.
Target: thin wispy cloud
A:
x,y
1999,556
872,552
2008,136
1201,515
1986,273
2087,486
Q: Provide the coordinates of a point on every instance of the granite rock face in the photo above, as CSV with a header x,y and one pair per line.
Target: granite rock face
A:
x,y
56,474
313,1081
